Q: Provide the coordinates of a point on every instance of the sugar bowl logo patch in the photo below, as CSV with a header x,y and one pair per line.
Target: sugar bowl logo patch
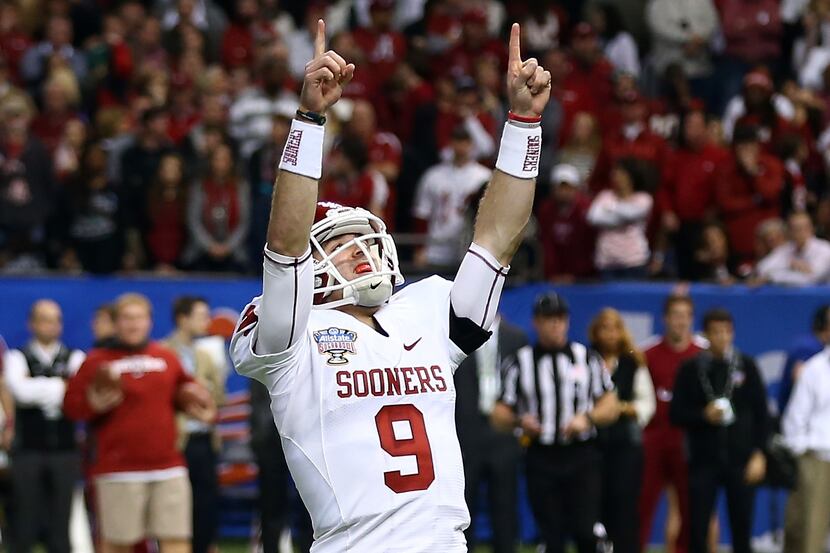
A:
x,y
336,343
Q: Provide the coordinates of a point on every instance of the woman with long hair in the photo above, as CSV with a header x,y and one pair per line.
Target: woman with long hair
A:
x,y
621,443
92,217
166,214
218,213
621,215
582,147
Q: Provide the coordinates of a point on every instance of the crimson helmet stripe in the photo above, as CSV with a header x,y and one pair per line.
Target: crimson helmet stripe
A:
x,y
367,232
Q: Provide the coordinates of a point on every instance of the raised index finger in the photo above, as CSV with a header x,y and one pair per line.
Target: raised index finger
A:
x,y
320,39
514,59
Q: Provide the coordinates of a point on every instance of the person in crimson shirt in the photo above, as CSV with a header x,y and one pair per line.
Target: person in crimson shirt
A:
x,y
748,189
663,447
465,109
129,392
768,112
632,139
591,74
385,47
383,149
567,237
474,45
686,195
752,31
165,229
365,85
239,38
348,181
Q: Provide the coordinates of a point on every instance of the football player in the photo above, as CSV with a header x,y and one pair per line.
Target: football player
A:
x,y
360,378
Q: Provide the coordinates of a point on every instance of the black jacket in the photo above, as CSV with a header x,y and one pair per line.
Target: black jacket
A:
x,y
473,426
725,445
625,430
27,189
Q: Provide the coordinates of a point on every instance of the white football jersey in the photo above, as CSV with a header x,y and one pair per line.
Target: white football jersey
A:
x,y
367,422
442,199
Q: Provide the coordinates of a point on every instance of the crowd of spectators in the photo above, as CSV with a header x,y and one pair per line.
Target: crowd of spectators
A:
x,y
142,136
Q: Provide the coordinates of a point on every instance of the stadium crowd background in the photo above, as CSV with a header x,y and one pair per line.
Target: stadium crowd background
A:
x,y
684,140
142,137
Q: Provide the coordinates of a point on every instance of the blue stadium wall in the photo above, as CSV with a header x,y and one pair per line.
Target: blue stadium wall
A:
x,y
768,321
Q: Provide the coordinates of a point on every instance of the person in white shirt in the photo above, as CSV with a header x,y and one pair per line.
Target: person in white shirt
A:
x,y
45,463
360,378
441,201
763,86
251,114
619,46
682,32
806,429
803,260
621,215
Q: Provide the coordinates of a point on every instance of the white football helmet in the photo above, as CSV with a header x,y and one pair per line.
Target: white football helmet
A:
x,y
370,289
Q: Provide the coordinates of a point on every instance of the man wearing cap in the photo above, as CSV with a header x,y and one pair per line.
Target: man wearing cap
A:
x,y
747,191
442,198
558,392
567,238
758,94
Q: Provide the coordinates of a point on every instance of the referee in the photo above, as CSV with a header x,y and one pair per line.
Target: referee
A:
x,y
557,392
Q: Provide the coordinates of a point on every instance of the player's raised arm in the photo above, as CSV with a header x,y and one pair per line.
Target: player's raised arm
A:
x,y
288,281
505,209
295,190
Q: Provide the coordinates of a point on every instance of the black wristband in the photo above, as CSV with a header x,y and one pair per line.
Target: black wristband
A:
x,y
311,117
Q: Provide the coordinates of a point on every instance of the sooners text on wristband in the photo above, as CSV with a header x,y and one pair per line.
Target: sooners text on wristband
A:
x,y
303,151
519,151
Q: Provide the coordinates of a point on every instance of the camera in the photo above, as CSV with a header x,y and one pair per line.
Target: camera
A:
x,y
725,406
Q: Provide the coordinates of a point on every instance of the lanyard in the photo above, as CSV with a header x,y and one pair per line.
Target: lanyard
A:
x,y
704,361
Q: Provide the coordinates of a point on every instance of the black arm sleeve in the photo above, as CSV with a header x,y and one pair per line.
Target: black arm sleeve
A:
x,y
466,334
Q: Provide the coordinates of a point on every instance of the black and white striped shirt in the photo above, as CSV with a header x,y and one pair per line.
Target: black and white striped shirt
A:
x,y
555,386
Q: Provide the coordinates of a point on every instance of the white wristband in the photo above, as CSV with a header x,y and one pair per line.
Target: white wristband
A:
x,y
519,151
303,151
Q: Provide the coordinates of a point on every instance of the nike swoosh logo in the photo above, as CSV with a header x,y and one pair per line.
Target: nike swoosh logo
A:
x,y
374,286
412,345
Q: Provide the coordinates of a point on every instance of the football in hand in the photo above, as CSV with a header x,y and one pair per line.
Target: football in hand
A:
x,y
107,378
